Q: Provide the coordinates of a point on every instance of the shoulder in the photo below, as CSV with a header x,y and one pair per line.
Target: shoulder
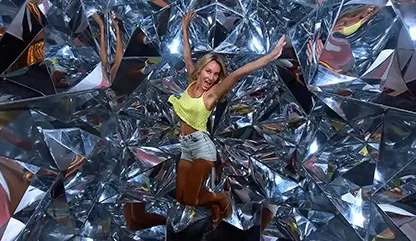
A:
x,y
190,84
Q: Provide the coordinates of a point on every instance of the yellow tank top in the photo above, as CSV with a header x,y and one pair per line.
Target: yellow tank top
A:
x,y
190,110
347,31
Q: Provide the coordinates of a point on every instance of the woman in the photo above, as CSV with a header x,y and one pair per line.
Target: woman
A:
x,y
338,55
207,83
352,20
103,49
14,181
135,214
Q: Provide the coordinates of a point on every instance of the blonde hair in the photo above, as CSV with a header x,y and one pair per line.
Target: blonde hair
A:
x,y
203,61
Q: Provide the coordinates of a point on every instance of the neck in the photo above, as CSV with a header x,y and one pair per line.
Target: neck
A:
x,y
198,89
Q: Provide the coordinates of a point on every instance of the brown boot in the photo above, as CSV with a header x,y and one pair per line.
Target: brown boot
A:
x,y
226,205
216,216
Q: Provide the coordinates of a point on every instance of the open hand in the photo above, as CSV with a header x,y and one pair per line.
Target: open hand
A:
x,y
318,50
277,51
187,18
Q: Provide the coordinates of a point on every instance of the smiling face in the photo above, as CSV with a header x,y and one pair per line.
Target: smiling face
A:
x,y
209,74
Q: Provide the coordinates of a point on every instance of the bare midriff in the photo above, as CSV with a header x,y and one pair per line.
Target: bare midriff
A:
x,y
186,129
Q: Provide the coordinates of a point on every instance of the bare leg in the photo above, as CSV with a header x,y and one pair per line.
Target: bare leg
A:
x,y
194,194
216,215
183,183
15,182
266,218
137,218
184,167
189,190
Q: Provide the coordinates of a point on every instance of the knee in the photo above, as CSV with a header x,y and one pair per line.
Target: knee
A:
x,y
190,199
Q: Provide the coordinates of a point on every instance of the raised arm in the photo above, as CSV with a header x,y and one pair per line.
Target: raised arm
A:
x,y
160,3
221,88
119,51
103,50
189,16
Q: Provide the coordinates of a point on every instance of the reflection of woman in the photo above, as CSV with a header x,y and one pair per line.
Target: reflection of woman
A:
x,y
103,47
208,82
137,218
133,71
337,54
9,135
35,53
350,21
59,72
13,185
75,165
135,214
28,32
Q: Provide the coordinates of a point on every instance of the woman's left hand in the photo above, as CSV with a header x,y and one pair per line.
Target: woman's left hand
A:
x,y
277,51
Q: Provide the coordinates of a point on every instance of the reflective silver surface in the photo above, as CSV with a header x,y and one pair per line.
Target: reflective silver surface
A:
x,y
324,137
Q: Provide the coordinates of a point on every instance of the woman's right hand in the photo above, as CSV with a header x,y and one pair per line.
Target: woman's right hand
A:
x,y
319,47
187,18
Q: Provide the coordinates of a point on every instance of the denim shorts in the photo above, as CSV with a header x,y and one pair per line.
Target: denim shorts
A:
x,y
197,145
